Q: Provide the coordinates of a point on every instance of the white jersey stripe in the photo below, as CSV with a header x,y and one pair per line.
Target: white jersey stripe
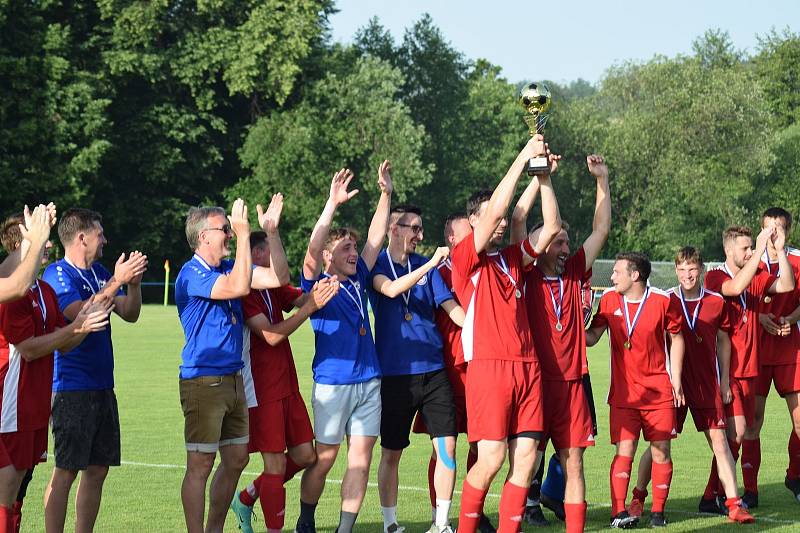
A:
x,y
8,419
247,370
468,330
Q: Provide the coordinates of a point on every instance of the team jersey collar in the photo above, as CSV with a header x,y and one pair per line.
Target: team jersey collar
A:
x,y
85,280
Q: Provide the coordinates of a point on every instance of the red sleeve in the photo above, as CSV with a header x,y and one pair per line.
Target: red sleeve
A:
x,y
16,320
253,305
714,280
51,300
761,283
464,257
600,320
674,315
286,295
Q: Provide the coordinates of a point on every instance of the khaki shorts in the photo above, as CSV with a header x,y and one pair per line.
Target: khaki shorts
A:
x,y
214,412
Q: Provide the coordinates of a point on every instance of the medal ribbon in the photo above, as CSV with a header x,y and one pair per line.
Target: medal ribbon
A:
x,y
268,301
356,300
632,325
557,308
691,322
42,307
504,267
97,281
742,298
407,294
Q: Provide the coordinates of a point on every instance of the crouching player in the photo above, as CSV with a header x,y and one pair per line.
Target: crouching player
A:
x,y
705,379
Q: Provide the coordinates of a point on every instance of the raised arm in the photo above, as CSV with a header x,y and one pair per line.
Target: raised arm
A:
x,y
36,233
601,223
380,220
502,195
550,214
312,264
237,283
739,283
277,273
785,281
519,217
393,288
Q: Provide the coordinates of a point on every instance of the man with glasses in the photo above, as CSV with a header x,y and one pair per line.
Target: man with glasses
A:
x,y
207,294
406,291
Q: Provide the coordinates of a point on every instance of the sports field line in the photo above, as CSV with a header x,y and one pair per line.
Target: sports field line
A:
x,y
455,492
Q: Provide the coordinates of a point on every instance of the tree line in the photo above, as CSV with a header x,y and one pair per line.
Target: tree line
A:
x,y
142,109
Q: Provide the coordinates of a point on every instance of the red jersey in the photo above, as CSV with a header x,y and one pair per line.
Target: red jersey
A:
x,y
744,319
269,372
700,377
773,349
496,324
639,377
452,351
562,352
27,385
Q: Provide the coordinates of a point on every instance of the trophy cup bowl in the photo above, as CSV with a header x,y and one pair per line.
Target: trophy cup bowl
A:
x,y
535,98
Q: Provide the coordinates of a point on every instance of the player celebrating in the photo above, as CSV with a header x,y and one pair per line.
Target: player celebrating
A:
x,y
278,417
85,417
642,395
503,379
705,380
553,298
406,291
346,395
207,293
779,351
743,286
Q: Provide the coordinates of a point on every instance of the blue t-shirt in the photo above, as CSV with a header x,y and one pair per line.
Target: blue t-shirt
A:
x,y
413,346
213,338
90,365
343,356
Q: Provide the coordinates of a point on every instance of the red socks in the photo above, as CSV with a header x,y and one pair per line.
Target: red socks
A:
x,y
620,476
272,496
751,463
6,519
291,469
16,520
793,472
512,507
431,487
640,495
662,477
713,482
576,517
471,508
248,499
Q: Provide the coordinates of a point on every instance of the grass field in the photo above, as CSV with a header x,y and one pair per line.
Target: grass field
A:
x,y
144,493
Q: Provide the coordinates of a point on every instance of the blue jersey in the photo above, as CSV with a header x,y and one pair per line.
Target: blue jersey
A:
x,y
90,365
212,328
404,346
344,356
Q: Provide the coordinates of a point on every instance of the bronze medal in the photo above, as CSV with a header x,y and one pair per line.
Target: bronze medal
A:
x,y
698,338
233,320
362,331
627,344
408,316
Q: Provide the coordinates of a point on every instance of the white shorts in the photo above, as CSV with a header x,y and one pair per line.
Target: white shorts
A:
x,y
341,410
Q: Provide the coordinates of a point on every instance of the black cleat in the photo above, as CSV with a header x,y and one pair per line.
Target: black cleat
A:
x,y
535,517
624,521
711,506
305,527
554,505
658,520
794,486
485,526
750,499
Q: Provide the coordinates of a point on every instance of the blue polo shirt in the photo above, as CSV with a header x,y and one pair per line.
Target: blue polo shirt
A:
x,y
90,365
343,356
413,346
213,338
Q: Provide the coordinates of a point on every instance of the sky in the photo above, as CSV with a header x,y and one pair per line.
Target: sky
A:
x,y
571,39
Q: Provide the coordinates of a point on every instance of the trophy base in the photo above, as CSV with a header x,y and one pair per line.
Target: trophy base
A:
x,y
537,166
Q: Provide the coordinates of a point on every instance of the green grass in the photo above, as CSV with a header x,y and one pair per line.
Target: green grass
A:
x,y
144,493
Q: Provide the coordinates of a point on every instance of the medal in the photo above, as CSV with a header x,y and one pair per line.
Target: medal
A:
x,y
362,331
742,298
559,327
632,325
504,267
691,321
699,339
744,318
408,317
407,294
767,299
560,306
233,320
359,304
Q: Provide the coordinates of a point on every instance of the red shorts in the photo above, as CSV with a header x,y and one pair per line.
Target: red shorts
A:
x,y
280,424
504,399
785,377
655,424
23,449
744,399
704,418
567,419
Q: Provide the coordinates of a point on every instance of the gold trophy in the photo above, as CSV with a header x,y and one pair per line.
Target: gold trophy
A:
x,y
535,98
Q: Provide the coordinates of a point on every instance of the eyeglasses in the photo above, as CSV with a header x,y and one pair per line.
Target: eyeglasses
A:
x,y
226,229
415,229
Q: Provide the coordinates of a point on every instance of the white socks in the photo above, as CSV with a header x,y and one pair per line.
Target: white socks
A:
x,y
442,512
